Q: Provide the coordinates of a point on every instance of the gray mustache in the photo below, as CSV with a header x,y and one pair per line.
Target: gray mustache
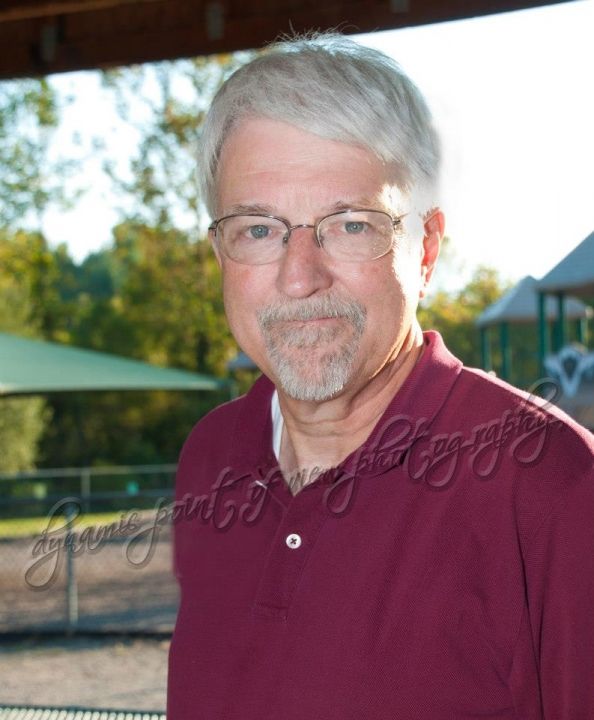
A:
x,y
313,309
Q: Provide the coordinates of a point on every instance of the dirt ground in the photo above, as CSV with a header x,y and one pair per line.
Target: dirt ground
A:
x,y
119,587
118,674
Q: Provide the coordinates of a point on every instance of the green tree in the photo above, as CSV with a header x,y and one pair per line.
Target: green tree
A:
x,y
22,420
166,303
454,314
154,295
22,424
31,177
166,104
46,278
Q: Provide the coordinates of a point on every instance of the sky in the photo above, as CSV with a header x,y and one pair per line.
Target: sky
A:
x,y
513,99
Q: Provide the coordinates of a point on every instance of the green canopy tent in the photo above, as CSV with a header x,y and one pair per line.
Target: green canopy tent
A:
x,y
36,367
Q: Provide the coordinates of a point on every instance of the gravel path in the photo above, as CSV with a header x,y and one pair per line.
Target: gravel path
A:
x,y
86,672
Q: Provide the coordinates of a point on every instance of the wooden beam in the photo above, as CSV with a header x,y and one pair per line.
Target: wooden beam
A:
x,y
14,10
122,32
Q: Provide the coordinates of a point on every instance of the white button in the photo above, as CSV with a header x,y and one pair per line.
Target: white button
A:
x,y
293,541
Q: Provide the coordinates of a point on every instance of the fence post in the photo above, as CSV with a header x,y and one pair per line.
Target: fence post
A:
x,y
85,488
71,586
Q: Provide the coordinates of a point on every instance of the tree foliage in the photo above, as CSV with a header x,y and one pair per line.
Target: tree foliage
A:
x,y
165,306
453,314
30,179
166,104
22,420
153,295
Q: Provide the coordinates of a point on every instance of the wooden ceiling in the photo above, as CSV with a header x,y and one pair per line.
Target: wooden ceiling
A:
x,y
46,36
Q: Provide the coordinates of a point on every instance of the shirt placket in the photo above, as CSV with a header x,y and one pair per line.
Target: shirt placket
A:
x,y
295,539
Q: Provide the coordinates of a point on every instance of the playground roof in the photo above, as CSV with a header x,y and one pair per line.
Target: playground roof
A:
x,y
520,305
34,367
575,273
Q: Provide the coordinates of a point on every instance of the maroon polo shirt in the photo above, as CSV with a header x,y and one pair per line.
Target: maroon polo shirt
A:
x,y
445,570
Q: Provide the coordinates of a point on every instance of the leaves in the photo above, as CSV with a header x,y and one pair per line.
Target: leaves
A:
x,y
453,314
166,104
22,420
22,424
29,180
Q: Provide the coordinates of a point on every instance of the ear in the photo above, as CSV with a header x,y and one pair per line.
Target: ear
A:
x,y
434,227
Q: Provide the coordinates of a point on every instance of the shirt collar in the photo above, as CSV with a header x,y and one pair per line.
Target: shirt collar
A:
x,y
406,419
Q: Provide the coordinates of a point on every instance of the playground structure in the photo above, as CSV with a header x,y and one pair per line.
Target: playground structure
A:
x,y
544,329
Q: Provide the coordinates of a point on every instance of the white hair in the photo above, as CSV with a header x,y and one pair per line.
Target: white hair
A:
x,y
333,87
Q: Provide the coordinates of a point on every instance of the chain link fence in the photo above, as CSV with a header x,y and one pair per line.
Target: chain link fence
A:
x,y
87,549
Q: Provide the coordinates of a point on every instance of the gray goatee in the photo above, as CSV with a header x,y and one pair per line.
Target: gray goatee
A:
x,y
319,374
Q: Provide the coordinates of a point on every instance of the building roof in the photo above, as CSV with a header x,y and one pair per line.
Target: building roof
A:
x,y
575,273
33,367
520,305
47,36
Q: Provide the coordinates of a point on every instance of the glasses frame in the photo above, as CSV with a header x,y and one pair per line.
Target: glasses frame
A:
x,y
315,227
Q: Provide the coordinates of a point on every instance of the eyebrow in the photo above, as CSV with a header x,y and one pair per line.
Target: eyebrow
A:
x,y
360,203
256,209
261,209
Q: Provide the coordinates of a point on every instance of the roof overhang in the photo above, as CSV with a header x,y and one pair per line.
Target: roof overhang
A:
x,y
37,367
39,37
574,274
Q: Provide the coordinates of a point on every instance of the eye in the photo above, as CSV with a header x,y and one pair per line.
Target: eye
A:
x,y
258,232
353,227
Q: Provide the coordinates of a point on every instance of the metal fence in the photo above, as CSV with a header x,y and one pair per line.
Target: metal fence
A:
x,y
14,712
87,549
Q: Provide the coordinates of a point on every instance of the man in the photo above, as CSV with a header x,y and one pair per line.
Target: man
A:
x,y
373,531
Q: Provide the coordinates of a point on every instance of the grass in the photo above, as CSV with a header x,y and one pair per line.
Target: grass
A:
x,y
26,527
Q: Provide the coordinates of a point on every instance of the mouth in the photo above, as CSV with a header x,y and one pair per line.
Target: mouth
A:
x,y
314,320
304,334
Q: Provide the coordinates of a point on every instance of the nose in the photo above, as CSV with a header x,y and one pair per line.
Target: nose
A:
x,y
303,269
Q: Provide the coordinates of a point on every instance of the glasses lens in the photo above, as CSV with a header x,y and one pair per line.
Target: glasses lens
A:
x,y
252,239
356,236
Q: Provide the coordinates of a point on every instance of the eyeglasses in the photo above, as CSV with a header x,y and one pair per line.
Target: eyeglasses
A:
x,y
348,236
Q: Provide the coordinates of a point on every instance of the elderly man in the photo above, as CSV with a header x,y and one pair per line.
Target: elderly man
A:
x,y
373,531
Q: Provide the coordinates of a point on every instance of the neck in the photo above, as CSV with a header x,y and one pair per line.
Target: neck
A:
x,y
318,436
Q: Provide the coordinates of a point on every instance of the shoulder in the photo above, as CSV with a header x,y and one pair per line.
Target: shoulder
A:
x,y
214,423
476,403
219,436
487,399
534,453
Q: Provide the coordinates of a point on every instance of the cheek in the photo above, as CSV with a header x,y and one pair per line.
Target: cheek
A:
x,y
243,294
381,284
407,270
390,293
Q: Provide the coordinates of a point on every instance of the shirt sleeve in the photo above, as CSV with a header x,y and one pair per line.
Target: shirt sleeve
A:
x,y
559,568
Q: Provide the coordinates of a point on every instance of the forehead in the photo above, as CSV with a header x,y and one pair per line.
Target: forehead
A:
x,y
271,163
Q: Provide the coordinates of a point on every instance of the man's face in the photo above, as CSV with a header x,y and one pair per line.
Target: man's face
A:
x,y
316,326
